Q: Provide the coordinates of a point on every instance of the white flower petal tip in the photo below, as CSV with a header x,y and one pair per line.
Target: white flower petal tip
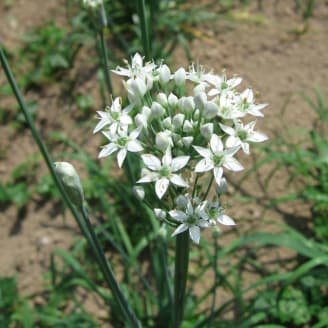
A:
x,y
226,220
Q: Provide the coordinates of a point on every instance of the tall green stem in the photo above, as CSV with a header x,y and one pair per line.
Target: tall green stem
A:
x,y
144,29
108,273
84,225
180,277
105,62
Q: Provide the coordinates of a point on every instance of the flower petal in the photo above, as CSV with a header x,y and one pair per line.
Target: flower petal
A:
x,y
134,146
204,152
232,141
108,150
204,165
232,164
216,144
194,233
218,172
151,161
257,137
161,186
121,157
181,228
177,180
179,162
225,220
178,215
227,129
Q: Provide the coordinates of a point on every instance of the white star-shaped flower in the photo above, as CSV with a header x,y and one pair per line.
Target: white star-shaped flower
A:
x,y
242,134
221,84
216,157
247,105
191,219
137,69
163,172
115,117
121,142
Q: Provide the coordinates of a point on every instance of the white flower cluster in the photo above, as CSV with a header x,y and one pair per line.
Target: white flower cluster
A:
x,y
187,128
92,4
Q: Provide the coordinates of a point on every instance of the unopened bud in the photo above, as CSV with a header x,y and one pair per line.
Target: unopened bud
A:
x,y
180,76
206,130
222,187
160,214
164,74
139,192
157,110
70,181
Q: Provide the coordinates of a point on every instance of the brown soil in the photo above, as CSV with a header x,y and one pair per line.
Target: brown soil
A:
x,y
265,47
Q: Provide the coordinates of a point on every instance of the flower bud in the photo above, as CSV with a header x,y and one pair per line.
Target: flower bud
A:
x,y
141,120
164,74
200,88
70,181
200,100
222,187
146,111
162,99
187,141
167,122
178,120
189,104
181,202
210,110
180,76
206,130
187,126
139,192
163,140
172,100
160,214
157,110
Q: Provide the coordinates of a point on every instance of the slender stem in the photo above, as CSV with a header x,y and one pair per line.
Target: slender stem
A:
x,y
144,29
209,187
83,225
109,274
105,62
216,276
180,278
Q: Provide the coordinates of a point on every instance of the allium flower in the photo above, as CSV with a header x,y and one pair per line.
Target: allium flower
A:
x,y
137,69
216,157
247,105
114,117
164,172
192,219
221,84
92,4
121,142
242,134
168,112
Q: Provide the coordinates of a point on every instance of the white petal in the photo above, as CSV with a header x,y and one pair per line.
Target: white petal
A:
x,y
121,157
194,233
227,129
218,172
151,161
161,186
167,158
204,152
148,177
234,82
232,164
203,223
181,228
204,165
135,133
232,141
245,147
108,150
226,220
257,137
101,124
134,146
216,144
213,92
179,162
178,215
177,180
